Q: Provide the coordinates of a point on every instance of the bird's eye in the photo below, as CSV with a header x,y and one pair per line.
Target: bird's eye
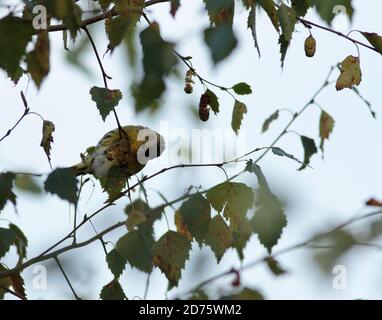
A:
x,y
147,153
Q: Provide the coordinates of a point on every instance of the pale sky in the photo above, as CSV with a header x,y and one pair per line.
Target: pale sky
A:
x,y
319,198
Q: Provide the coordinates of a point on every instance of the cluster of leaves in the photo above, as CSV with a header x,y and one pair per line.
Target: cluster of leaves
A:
x,y
61,182
227,215
230,227
159,56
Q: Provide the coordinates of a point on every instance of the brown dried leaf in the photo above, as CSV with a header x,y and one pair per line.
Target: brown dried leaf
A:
x,y
47,137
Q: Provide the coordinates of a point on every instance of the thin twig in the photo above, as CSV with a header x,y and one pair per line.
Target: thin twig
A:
x,y
105,77
294,247
66,278
58,252
82,183
104,74
25,113
338,33
296,115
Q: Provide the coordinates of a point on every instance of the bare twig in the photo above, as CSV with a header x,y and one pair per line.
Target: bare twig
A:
x,y
104,74
338,33
296,115
58,252
25,113
66,278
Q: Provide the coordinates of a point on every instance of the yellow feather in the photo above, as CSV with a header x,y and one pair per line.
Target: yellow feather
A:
x,y
116,148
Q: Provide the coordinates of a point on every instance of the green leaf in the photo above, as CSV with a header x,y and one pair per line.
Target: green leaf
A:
x,y
275,267
116,263
151,215
326,127
269,219
135,218
27,183
241,236
116,29
245,294
21,242
281,153
220,11
158,61
239,109
15,35
105,3
301,7
242,88
309,150
284,45
274,116
351,74
112,291
326,8
63,183
6,193
196,215
254,168
73,19
38,60
7,239
270,8
170,253
221,41
219,237
288,20
114,182
251,24
15,77
105,99
235,198
375,40
214,101
136,247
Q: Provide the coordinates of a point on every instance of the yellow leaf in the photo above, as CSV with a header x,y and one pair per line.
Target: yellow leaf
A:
x,y
350,73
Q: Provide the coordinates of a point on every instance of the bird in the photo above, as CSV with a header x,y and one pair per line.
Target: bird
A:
x,y
127,147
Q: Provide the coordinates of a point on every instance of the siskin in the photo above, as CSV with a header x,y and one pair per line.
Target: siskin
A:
x,y
129,148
